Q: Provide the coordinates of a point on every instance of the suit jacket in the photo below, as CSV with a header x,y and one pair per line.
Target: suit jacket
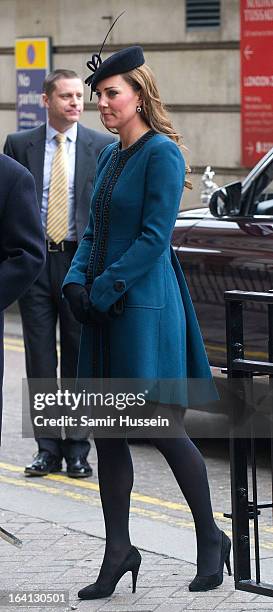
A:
x,y
28,148
22,248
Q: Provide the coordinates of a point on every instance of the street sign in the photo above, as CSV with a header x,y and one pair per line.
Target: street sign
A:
x,y
33,63
256,79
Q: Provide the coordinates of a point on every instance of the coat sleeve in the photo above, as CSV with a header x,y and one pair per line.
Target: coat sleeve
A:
x,y
163,189
21,238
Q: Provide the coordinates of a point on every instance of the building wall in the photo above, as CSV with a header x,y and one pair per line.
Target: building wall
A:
x,y
198,71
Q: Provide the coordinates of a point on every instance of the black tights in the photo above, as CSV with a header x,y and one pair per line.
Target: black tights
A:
x,y
115,472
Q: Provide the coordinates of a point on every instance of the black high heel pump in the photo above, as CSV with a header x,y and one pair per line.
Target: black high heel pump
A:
x,y
103,588
206,583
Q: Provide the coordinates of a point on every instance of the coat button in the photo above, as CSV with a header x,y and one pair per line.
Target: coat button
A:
x,y
119,285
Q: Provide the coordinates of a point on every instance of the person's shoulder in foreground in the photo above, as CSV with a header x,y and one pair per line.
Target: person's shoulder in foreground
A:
x,y
22,249
12,168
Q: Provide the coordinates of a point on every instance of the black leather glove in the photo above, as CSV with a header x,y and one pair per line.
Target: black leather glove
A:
x,y
78,299
79,302
96,316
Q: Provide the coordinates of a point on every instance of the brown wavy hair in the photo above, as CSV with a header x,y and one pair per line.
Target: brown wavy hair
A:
x,y
153,110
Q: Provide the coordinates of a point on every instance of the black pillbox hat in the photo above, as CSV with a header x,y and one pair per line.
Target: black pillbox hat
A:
x,y
118,63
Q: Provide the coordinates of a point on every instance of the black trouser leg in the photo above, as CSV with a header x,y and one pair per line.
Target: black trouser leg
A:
x,y
40,309
39,318
1,367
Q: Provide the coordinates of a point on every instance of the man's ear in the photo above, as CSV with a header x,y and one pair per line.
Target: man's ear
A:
x,y
45,100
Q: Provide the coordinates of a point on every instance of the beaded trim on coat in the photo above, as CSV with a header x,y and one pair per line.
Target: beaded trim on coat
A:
x,y
101,232
118,161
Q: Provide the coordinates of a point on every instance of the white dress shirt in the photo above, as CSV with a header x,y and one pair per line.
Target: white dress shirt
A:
x,y
50,149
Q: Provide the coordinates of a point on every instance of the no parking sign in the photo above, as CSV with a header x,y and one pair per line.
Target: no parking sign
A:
x,y
33,63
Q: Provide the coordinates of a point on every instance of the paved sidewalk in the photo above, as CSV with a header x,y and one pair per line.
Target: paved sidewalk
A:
x,y
55,558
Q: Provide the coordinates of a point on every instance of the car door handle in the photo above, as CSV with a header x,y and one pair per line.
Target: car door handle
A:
x,y
196,250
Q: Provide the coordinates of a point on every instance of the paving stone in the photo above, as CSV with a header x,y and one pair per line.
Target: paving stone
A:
x,y
135,608
170,607
239,606
92,607
36,528
208,602
219,609
263,599
242,596
51,560
161,592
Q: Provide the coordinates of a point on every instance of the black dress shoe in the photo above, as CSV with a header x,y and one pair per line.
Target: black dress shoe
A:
x,y
206,583
44,463
104,588
78,467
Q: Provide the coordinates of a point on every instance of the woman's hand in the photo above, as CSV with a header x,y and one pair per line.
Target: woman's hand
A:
x,y
79,302
78,299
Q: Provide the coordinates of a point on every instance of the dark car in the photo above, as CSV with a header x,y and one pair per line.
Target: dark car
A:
x,y
230,246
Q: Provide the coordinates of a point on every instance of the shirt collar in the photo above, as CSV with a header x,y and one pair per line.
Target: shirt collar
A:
x,y
71,133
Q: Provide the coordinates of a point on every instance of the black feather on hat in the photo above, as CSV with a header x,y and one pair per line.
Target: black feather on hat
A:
x,y
118,63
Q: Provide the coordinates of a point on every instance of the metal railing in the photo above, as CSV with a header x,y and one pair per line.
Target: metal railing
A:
x,y
242,447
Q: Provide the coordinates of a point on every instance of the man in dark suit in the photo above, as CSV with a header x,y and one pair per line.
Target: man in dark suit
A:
x,y
61,155
22,248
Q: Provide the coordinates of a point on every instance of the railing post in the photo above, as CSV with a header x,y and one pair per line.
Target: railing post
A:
x,y
238,451
241,371
270,358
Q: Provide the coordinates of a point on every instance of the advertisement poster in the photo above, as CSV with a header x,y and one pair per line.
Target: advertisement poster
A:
x,y
33,63
256,79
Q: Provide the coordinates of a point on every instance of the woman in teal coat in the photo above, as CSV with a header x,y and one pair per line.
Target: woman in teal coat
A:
x,y
126,287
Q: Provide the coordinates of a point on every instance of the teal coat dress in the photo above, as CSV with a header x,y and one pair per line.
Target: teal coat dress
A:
x,y
125,255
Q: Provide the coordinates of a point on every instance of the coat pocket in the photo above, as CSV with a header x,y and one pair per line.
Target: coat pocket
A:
x,y
150,290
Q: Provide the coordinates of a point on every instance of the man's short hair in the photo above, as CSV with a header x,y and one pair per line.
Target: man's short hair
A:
x,y
52,77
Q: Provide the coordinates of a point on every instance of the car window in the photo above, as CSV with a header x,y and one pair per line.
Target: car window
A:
x,y
263,193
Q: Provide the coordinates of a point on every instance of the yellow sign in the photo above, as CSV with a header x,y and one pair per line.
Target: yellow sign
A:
x,y
32,53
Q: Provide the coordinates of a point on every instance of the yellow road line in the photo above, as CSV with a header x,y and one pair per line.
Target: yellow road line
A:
x,y
11,342
13,347
95,500
92,486
29,484
14,340
220,349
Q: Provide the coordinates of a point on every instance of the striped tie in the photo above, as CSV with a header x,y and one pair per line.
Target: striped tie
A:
x,y
57,214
